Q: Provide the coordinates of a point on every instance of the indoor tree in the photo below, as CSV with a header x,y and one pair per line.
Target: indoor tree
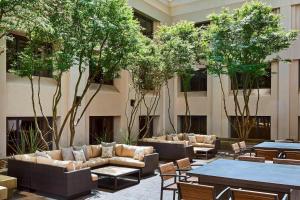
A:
x,y
147,76
93,33
237,44
180,48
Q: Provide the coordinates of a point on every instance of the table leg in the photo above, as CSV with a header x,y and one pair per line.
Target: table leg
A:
x,y
115,183
139,177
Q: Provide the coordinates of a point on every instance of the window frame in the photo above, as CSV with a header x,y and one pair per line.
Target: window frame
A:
x,y
17,38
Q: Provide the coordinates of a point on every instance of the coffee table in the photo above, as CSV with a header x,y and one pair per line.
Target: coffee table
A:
x,y
204,152
115,177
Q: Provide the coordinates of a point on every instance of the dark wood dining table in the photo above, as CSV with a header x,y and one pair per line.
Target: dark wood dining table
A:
x,y
251,175
280,146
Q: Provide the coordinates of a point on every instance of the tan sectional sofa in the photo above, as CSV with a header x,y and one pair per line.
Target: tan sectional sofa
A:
x,y
177,146
69,179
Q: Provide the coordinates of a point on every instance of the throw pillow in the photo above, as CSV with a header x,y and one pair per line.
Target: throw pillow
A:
x,y
86,149
67,154
169,138
107,152
192,139
175,138
79,155
42,154
208,139
112,144
96,151
139,154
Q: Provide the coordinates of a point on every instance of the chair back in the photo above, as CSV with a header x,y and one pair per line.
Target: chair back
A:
x,y
184,164
168,168
243,145
238,194
252,159
286,161
189,191
236,148
267,154
295,155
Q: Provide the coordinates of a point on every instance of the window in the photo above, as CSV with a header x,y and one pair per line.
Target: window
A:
x,y
16,45
100,79
262,130
16,126
142,127
146,23
198,124
198,82
264,82
101,129
276,10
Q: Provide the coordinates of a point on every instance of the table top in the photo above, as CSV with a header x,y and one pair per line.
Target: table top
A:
x,y
278,145
203,149
114,171
239,173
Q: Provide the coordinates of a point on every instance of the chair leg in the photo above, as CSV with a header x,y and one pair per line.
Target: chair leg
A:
x,y
161,194
174,195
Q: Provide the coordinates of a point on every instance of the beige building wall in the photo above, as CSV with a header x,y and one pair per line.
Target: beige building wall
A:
x,y
281,102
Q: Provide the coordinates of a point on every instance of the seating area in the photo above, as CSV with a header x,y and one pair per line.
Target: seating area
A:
x,y
149,100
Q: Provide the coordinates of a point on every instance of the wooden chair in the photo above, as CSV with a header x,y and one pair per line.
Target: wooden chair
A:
x,y
184,165
236,150
168,174
267,154
239,194
295,155
189,191
286,161
252,159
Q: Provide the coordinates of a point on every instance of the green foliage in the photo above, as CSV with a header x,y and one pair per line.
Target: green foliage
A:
x,y
180,48
240,41
28,142
238,44
146,67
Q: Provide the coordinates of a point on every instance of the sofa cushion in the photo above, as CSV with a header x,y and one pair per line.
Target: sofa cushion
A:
x,y
94,162
125,161
192,139
119,148
200,138
128,150
139,154
169,137
204,145
209,139
148,150
55,154
175,138
162,137
96,151
180,136
26,158
94,177
67,154
42,154
3,192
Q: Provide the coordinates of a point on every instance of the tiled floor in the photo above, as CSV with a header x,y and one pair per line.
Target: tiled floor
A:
x,y
148,189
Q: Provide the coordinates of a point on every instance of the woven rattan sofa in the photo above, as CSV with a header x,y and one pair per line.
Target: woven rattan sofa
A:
x,y
60,179
181,147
